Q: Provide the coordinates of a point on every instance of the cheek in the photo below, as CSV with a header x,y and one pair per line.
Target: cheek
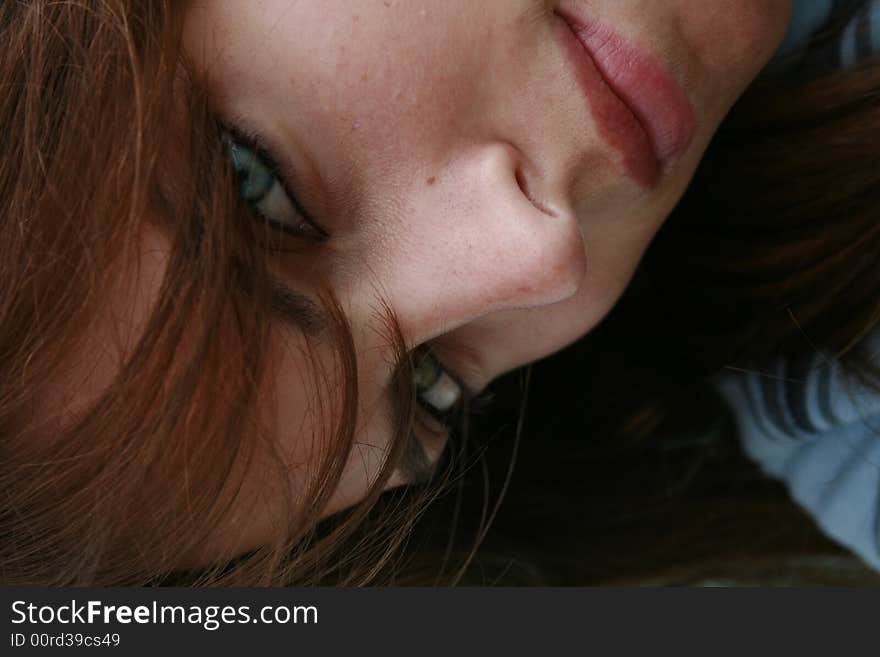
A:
x,y
734,38
613,261
615,244
293,405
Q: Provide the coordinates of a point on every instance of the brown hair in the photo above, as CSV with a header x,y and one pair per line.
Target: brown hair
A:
x,y
135,485
85,91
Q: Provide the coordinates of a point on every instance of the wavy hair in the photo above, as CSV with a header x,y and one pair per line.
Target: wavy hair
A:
x,y
109,135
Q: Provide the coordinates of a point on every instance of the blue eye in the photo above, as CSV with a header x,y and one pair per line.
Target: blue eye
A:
x,y
260,186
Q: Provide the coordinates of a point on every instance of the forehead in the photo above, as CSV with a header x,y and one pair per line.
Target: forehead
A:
x,y
374,73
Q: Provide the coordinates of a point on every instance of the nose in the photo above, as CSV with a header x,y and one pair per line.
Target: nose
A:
x,y
475,242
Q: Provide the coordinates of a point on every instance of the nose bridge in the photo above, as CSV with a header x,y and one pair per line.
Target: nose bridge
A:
x,y
488,246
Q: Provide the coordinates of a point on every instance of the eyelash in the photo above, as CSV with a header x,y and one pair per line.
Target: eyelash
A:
x,y
257,154
426,421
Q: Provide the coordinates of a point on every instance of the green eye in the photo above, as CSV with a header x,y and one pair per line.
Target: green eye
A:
x,y
265,193
435,388
427,372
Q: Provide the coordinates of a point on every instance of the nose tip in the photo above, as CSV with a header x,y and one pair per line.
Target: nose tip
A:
x,y
485,245
534,251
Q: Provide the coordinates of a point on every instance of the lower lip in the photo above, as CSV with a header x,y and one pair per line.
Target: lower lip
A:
x,y
639,109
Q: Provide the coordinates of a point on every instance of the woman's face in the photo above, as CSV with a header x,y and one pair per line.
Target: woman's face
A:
x,y
474,167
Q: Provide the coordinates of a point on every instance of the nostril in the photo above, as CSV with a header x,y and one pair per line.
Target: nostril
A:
x,y
523,184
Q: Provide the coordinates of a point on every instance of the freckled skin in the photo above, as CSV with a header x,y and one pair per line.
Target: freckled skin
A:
x,y
463,180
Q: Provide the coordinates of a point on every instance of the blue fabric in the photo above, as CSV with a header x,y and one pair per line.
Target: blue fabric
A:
x,y
820,434
797,57
808,16
862,34
812,428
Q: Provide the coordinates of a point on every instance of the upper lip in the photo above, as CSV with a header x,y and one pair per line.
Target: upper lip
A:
x,y
638,107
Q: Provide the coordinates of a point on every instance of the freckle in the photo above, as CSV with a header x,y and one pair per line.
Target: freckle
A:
x,y
431,180
356,18
365,77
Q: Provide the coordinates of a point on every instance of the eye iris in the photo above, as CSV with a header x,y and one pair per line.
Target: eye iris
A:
x,y
255,178
427,372
435,389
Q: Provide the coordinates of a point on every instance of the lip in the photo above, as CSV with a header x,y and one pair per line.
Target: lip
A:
x,y
638,107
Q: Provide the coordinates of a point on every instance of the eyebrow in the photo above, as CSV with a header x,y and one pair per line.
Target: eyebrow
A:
x,y
297,309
